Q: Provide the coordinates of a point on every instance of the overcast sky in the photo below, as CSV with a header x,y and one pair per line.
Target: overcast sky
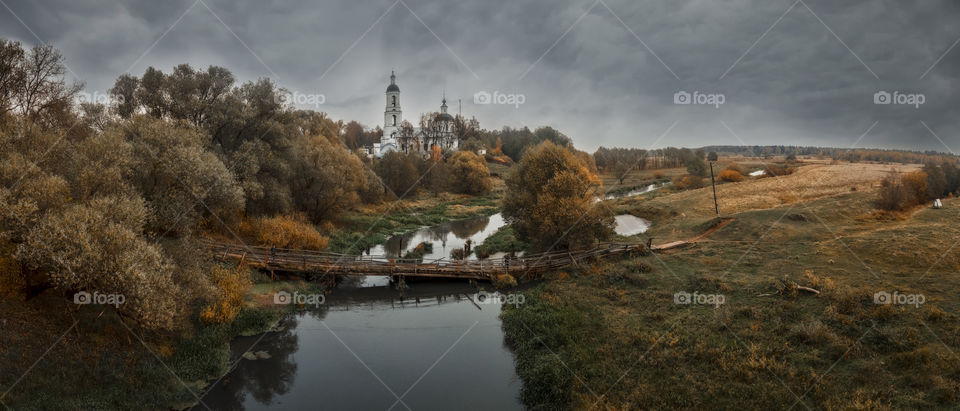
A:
x,y
605,72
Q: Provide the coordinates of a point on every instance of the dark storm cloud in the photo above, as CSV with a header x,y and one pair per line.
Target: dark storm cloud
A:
x,y
608,80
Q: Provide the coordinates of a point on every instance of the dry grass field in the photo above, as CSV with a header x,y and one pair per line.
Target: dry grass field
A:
x,y
808,183
615,327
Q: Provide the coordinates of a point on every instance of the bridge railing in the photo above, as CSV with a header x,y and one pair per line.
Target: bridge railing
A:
x,y
298,259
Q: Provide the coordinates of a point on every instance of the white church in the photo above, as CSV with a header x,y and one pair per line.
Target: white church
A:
x,y
437,129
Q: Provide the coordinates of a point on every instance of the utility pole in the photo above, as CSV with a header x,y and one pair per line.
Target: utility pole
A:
x,y
711,158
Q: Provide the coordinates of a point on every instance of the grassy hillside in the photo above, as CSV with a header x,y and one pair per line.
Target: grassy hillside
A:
x,y
611,336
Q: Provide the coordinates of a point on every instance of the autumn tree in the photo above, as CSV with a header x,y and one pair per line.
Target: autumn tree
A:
x,y
96,246
353,135
436,172
181,181
33,84
469,173
550,200
693,161
327,179
398,172
936,181
901,191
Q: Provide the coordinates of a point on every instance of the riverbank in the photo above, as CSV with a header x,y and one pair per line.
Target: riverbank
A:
x,y
91,346
728,322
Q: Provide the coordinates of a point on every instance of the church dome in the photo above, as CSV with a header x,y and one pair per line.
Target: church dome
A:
x,y
446,117
393,87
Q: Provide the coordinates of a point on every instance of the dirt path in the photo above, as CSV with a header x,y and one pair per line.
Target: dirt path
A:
x,y
680,243
723,223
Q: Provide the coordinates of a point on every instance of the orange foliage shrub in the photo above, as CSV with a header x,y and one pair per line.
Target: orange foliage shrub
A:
x,y
731,175
283,232
916,185
230,285
659,174
688,181
900,192
735,167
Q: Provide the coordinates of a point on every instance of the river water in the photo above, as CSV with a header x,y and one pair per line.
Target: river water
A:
x,y
439,348
437,345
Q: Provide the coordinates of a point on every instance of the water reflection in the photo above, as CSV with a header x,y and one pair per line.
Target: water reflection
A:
x,y
628,225
259,380
366,339
370,343
636,192
444,237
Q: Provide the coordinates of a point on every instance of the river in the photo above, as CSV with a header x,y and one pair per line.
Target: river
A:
x,y
438,348
437,345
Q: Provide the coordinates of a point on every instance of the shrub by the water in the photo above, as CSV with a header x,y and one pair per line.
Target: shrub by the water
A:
x,y
283,232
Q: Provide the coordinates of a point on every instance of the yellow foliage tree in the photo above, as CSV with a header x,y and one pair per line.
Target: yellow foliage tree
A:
x,y
288,231
550,201
230,285
469,173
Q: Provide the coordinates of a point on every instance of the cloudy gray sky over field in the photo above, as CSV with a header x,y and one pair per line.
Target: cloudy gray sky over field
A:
x,y
605,72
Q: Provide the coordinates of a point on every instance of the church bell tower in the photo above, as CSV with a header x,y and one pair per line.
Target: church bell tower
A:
x,y
392,116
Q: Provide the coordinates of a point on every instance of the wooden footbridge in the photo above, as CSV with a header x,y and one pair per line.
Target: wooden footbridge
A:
x,y
320,262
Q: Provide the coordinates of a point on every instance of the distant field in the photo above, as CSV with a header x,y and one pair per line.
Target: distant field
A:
x,y
637,178
809,182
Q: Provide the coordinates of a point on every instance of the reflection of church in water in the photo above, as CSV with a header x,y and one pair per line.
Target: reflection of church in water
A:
x,y
436,129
